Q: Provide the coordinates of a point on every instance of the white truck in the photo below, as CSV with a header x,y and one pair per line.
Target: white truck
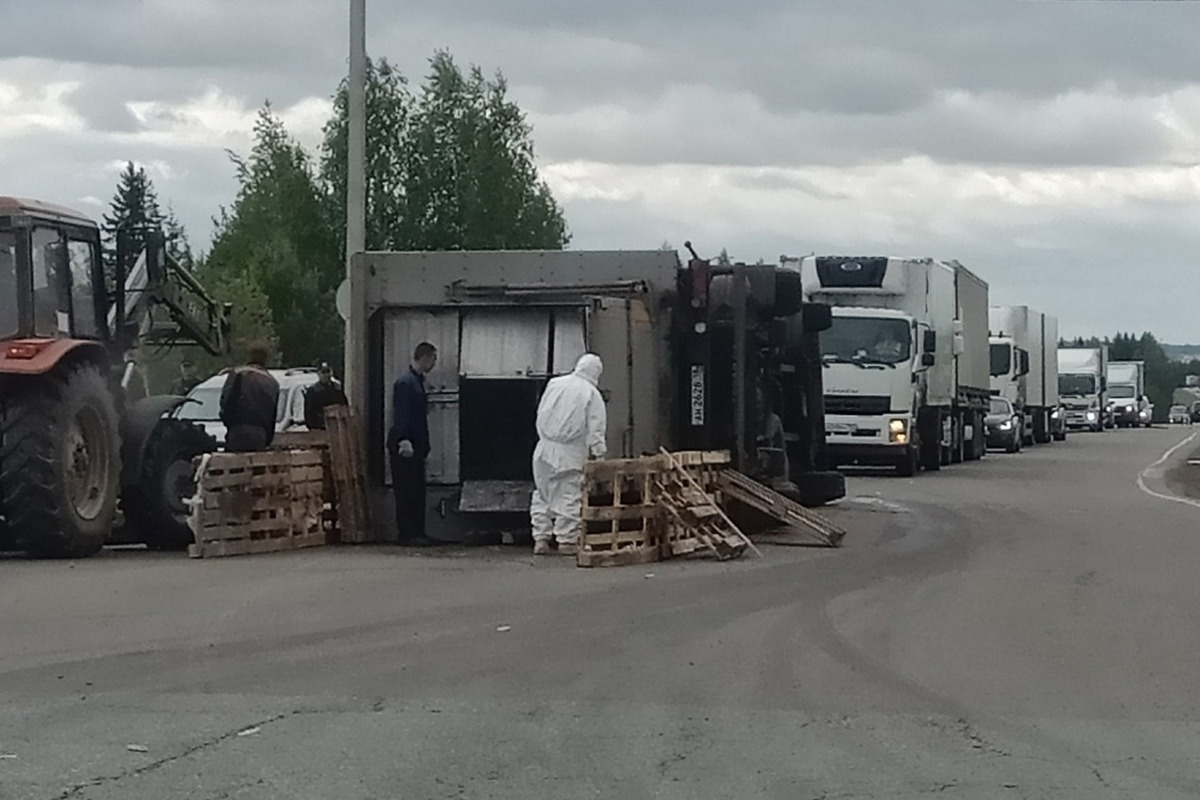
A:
x,y
1082,381
1127,394
1024,369
905,362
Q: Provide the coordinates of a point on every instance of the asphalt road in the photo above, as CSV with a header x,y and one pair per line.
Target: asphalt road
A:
x,y
1023,627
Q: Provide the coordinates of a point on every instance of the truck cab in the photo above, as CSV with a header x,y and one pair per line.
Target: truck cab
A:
x,y
1082,386
875,361
1008,364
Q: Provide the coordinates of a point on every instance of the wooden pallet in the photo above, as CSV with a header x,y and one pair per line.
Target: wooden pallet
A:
x,y
257,503
696,520
318,441
741,488
347,461
622,523
640,510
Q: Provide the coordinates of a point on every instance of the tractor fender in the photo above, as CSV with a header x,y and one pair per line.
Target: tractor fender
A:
x,y
137,426
39,356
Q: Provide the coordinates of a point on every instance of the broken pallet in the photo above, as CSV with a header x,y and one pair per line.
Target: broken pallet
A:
x,y
737,486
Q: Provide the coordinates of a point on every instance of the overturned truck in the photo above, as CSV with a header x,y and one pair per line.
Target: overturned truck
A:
x,y
696,357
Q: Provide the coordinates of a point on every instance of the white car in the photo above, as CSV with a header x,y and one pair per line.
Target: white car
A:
x,y
203,404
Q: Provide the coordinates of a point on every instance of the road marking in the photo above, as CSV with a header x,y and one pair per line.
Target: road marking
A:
x,y
1141,481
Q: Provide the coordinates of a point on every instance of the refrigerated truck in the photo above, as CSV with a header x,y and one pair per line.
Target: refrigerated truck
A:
x,y
1082,383
1023,350
906,359
1127,394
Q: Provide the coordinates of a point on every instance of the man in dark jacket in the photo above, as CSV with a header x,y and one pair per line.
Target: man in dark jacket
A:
x,y
248,403
408,447
319,396
187,379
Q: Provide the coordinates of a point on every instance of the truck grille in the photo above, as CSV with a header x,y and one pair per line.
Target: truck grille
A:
x,y
864,405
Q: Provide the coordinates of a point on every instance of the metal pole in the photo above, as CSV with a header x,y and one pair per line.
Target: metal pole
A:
x,y
356,196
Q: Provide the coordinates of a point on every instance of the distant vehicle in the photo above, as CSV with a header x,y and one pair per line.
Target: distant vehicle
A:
x,y
203,404
1004,426
1196,411
1024,369
1127,394
1178,415
1081,385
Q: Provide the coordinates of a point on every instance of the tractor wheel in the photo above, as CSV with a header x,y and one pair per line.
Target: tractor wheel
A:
x,y
156,510
60,463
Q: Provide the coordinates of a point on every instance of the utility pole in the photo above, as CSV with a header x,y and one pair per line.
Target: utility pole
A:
x,y
356,201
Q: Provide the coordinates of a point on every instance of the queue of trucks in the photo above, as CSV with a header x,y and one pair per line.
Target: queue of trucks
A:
x,y
920,372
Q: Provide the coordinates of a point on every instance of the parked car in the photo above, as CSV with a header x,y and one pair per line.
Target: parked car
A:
x,y
204,402
1178,415
1003,425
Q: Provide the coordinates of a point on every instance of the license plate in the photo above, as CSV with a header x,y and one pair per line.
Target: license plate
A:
x,y
697,395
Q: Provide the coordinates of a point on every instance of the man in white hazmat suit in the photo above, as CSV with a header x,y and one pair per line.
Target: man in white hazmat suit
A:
x,y
571,426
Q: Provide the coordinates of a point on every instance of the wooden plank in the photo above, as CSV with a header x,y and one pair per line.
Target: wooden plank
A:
x,y
607,470
770,502
605,539
347,460
610,513
620,558
300,440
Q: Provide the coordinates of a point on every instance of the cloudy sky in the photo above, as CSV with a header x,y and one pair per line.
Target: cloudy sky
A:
x,y
1054,147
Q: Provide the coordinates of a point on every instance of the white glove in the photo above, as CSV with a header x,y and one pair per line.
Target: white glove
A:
x,y
405,449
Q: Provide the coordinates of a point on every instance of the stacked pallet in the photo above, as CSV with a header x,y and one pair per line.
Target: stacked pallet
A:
x,y
640,510
257,503
347,463
737,487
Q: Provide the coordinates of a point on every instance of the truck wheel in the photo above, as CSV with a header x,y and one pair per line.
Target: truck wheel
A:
x,y
60,463
1060,436
957,432
930,439
156,510
819,488
907,467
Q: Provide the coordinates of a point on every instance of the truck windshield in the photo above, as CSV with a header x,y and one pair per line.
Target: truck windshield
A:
x,y
9,321
1122,390
1001,359
1076,385
867,340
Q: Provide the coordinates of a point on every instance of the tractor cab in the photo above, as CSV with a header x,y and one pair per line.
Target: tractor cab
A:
x,y
51,275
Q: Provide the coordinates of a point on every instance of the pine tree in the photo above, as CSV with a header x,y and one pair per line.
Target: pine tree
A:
x,y
135,208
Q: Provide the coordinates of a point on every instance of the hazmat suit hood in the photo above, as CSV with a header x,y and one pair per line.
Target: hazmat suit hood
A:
x,y
589,367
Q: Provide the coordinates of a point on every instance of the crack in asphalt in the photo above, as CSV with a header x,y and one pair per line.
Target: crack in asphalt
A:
x,y
104,780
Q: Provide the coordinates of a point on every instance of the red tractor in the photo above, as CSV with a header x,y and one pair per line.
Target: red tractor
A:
x,y
76,437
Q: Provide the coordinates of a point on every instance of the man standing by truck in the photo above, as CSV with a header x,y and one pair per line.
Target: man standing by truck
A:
x,y
321,395
408,447
571,426
248,402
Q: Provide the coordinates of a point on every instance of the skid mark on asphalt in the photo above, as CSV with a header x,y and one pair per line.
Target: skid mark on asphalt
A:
x,y
1154,469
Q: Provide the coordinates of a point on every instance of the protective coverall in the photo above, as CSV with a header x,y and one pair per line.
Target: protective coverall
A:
x,y
571,425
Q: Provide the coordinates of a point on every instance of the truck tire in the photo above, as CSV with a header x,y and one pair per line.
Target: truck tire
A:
x,y
1041,427
975,446
60,467
909,463
155,509
819,488
957,435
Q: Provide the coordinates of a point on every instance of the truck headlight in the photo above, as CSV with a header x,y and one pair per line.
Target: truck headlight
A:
x,y
898,431
1091,415
1128,408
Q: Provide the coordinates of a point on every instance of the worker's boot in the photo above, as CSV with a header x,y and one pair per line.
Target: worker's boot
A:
x,y
541,547
567,548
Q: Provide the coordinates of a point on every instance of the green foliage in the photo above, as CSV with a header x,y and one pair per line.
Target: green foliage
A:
x,y
449,169
275,244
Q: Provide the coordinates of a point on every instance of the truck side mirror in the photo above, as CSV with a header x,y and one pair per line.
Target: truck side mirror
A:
x,y
1103,384
1024,362
929,344
960,344
816,317
927,359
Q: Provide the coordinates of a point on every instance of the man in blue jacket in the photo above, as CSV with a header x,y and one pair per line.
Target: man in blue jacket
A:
x,y
408,447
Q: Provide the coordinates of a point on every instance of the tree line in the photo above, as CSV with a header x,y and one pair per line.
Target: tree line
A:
x,y
450,166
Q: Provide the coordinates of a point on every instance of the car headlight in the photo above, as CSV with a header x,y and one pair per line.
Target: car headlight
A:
x,y
1129,408
1006,425
1054,414
898,431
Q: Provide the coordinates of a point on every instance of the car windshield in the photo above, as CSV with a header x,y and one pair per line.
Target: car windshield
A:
x,y
1121,390
204,404
1001,358
9,321
1000,407
868,340
1076,385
